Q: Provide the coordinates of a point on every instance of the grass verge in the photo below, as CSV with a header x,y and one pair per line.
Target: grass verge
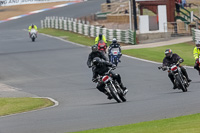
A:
x,y
183,124
184,50
17,105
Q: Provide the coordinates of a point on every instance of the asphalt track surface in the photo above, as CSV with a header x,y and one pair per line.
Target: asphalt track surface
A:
x,y
53,68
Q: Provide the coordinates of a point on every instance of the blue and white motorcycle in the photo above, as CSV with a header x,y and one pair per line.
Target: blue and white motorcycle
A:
x,y
115,55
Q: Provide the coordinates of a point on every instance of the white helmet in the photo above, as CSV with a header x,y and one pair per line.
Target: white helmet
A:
x,y
114,40
197,42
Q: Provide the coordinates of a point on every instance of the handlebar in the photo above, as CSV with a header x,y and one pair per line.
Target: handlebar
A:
x,y
164,68
112,68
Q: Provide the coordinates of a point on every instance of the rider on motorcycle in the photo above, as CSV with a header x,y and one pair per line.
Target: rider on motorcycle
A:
x,y
100,68
93,54
102,46
32,26
114,44
100,37
171,58
196,53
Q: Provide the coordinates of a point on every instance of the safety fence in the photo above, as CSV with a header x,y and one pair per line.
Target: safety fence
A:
x,y
195,34
83,27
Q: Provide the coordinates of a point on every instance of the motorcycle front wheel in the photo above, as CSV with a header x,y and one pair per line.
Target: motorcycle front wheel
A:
x,y
33,39
181,85
114,93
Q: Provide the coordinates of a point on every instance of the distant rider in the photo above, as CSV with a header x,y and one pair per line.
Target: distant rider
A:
x,y
99,38
114,44
32,26
95,53
100,68
196,53
102,46
173,58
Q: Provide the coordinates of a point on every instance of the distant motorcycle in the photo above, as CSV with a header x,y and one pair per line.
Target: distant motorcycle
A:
x,y
33,34
115,56
112,87
179,79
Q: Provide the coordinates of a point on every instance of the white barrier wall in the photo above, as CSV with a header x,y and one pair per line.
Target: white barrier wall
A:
x,y
21,2
144,24
195,34
162,18
81,27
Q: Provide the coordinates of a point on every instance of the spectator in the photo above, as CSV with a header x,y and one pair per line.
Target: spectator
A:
x,y
126,11
178,4
108,4
183,3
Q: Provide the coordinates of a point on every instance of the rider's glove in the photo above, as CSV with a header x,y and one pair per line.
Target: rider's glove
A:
x,y
89,66
159,67
164,68
94,80
180,60
114,66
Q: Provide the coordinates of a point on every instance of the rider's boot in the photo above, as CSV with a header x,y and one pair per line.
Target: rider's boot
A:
x,y
185,74
189,80
119,57
125,90
109,95
174,86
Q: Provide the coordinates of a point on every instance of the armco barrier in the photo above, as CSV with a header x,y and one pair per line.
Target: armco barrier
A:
x,y
82,27
195,34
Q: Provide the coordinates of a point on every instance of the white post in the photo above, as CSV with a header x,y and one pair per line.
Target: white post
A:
x,y
42,24
144,23
191,16
65,24
130,15
162,18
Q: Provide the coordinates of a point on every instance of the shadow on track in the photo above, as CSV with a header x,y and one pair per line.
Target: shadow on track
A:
x,y
178,92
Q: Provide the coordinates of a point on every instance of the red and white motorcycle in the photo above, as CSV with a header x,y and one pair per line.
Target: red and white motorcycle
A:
x,y
112,87
179,79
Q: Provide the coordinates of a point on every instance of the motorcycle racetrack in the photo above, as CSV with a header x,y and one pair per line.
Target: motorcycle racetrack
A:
x,y
57,69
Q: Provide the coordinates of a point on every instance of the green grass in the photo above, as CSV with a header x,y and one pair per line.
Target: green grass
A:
x,y
184,50
18,105
183,124
70,36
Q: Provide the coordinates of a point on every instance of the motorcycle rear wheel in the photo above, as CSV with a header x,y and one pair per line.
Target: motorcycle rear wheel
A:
x,y
115,61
